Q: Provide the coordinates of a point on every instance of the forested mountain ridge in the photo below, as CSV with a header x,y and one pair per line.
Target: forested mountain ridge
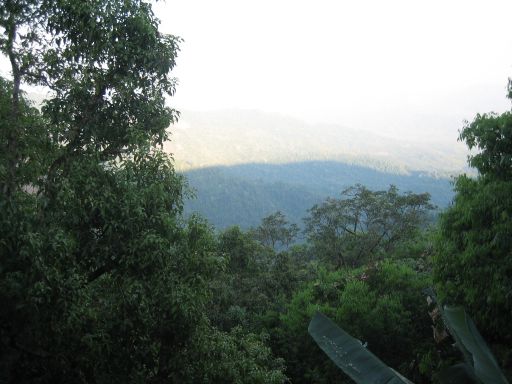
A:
x,y
245,164
243,194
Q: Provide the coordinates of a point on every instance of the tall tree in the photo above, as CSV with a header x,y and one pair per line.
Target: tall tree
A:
x,y
101,280
275,230
107,67
363,223
473,263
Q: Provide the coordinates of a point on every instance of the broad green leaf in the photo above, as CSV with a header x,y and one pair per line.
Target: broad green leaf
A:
x,y
348,353
464,331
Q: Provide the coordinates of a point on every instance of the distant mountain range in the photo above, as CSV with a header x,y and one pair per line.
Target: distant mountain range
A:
x,y
205,139
247,164
244,194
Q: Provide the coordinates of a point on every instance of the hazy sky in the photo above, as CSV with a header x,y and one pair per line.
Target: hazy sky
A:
x,y
405,68
399,67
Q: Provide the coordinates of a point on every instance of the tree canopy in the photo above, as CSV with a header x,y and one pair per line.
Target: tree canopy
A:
x,y
101,278
362,223
275,230
104,280
473,263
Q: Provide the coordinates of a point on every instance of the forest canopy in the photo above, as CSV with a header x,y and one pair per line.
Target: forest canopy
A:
x,y
104,280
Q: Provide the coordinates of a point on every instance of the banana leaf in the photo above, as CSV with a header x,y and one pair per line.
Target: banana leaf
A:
x,y
482,363
348,353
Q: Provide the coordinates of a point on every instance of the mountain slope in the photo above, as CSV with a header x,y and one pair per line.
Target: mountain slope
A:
x,y
246,164
204,139
244,194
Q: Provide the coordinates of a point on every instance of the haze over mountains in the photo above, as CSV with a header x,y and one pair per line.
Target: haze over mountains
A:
x,y
229,137
246,164
243,165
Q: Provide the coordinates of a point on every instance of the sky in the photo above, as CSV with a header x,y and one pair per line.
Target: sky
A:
x,y
407,69
403,68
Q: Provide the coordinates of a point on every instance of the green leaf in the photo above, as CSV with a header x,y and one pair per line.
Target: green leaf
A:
x,y
348,353
469,339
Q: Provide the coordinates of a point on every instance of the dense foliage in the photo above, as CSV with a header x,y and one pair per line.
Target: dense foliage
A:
x,y
242,194
473,262
363,225
104,280
101,280
382,305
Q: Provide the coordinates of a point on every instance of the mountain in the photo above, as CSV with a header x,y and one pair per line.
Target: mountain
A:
x,y
213,138
244,165
244,194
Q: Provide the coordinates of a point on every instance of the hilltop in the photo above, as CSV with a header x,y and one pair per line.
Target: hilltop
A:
x,y
231,137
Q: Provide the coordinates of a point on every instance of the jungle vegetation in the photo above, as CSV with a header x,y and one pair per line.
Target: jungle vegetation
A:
x,y
104,280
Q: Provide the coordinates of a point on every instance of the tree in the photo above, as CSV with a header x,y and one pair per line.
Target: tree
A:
x,y
255,283
363,367
101,279
243,291
381,305
107,67
472,263
364,223
275,230
237,357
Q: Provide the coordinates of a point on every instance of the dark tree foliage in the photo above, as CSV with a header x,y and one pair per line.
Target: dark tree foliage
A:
x,y
256,280
363,224
473,260
101,280
382,305
275,231
239,292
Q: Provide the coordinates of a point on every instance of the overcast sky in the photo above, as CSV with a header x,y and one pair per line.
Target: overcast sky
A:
x,y
398,67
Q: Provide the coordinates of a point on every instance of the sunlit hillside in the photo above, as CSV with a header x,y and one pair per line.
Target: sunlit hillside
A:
x,y
244,164
230,137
